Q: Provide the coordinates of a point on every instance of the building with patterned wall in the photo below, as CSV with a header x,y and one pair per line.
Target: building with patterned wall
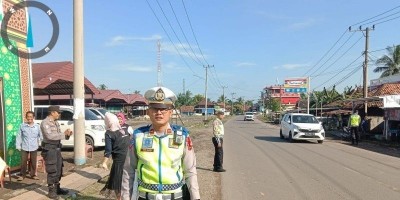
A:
x,y
15,83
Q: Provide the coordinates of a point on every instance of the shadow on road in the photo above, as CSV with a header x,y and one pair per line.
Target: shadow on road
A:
x,y
278,139
204,169
270,138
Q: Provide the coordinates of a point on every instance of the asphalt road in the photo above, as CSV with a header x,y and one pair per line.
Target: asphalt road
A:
x,y
262,166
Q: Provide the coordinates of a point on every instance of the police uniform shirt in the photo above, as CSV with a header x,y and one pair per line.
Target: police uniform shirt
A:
x,y
51,130
218,128
188,162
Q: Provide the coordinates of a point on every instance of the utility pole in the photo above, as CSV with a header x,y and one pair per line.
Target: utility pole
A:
x,y
184,91
159,63
280,99
206,107
365,66
232,103
308,95
223,94
79,85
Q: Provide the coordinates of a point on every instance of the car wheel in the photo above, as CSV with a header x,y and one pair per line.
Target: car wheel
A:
x,y
290,137
320,141
280,134
89,140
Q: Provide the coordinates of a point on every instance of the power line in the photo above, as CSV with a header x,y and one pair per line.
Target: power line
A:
x,y
388,20
327,52
376,16
341,56
194,35
176,35
382,19
184,35
152,10
338,73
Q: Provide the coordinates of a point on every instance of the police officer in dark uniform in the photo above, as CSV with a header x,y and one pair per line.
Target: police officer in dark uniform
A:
x,y
51,151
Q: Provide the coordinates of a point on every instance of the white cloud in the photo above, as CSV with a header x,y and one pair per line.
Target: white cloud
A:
x,y
134,68
245,64
183,49
121,40
303,24
292,66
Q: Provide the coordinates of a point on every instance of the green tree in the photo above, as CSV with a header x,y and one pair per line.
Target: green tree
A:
x,y
197,98
273,104
221,99
136,92
389,64
184,99
102,87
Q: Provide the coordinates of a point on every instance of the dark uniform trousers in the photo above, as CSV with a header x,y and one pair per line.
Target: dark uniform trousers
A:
x,y
219,153
355,135
51,154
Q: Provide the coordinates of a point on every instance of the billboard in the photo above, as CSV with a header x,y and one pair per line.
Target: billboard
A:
x,y
296,85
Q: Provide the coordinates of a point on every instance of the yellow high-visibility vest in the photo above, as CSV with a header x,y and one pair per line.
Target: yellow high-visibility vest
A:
x,y
160,161
355,120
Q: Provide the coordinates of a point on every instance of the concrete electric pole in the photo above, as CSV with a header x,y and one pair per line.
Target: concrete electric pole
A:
x,y
365,66
79,93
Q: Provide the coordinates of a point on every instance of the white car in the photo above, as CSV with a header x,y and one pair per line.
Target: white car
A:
x,y
94,127
248,116
99,112
299,126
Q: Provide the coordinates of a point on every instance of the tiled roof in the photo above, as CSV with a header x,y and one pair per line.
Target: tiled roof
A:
x,y
386,89
107,95
56,78
135,99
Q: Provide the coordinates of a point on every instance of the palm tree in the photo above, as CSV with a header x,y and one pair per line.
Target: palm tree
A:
x,y
389,64
102,87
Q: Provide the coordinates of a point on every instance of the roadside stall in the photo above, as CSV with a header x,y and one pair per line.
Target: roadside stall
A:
x,y
391,106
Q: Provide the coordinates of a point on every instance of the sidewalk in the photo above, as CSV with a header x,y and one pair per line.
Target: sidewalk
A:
x,y
75,182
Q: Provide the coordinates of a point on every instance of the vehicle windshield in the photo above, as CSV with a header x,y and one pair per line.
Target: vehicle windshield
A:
x,y
304,119
248,113
89,115
103,111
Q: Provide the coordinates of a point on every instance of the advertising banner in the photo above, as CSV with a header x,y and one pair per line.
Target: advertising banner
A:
x,y
296,85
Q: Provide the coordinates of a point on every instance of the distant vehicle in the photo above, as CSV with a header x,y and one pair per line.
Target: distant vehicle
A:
x,y
299,126
248,116
99,112
94,127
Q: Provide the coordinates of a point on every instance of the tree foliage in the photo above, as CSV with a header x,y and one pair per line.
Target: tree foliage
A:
x,y
389,64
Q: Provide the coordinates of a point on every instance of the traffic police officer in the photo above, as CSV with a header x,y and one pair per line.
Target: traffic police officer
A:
x,y
51,151
161,154
354,123
218,141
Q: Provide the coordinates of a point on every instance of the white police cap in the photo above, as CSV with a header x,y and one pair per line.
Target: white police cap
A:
x,y
160,97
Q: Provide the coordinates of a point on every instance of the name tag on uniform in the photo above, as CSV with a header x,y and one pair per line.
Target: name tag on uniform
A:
x,y
147,144
172,144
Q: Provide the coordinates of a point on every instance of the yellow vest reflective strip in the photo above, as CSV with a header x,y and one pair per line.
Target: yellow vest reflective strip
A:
x,y
159,166
354,120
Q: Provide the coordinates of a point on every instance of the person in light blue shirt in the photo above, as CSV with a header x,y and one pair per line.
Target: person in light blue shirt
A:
x,y
27,142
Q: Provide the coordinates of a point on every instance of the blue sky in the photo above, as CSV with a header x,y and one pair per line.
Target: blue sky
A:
x,y
250,43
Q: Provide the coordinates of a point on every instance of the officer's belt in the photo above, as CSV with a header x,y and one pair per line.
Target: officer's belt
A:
x,y
164,187
151,196
52,142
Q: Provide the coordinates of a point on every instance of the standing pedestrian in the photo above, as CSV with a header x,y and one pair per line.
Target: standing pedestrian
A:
x,y
27,142
218,141
354,123
51,151
124,125
117,142
161,155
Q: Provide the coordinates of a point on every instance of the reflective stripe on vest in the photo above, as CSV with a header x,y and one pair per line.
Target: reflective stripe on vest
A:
x,y
354,120
160,164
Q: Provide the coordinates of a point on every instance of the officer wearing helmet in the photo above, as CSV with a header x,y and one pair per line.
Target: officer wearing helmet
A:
x,y
160,163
